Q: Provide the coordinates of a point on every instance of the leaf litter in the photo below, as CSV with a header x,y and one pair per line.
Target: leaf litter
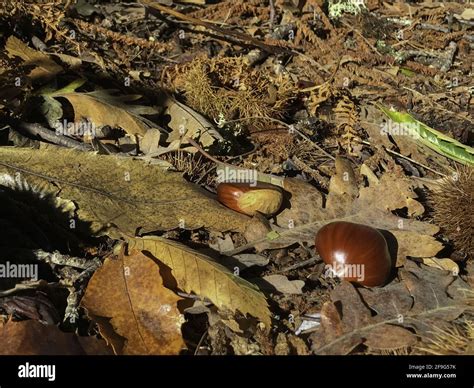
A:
x,y
358,113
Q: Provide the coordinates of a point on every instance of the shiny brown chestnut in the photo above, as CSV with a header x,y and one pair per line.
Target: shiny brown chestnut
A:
x,y
250,198
358,253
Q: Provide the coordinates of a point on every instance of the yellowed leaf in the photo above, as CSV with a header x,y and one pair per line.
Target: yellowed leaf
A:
x,y
446,264
198,273
186,123
118,194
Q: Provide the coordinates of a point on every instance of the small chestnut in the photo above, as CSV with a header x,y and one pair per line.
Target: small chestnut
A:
x,y
250,198
358,253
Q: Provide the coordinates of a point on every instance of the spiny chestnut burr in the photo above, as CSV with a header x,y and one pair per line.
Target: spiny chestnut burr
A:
x,y
358,253
250,198
452,202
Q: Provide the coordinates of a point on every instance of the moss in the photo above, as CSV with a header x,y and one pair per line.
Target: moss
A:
x,y
337,7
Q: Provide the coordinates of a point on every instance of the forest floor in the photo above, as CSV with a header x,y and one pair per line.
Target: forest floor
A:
x,y
118,121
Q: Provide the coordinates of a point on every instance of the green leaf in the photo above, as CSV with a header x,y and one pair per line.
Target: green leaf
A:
x,y
69,88
432,138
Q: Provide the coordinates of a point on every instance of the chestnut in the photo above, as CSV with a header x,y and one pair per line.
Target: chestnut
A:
x,y
249,198
358,253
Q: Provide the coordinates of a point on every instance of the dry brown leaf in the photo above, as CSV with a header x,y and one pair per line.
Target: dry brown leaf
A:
x,y
306,203
44,67
282,284
118,193
103,109
130,292
351,324
428,287
387,338
186,123
150,143
424,298
393,191
34,338
415,244
198,273
345,324
345,202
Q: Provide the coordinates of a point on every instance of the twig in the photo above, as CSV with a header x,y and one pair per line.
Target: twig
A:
x,y
272,13
414,161
237,35
48,135
69,261
25,286
203,337
406,157
206,154
301,264
363,38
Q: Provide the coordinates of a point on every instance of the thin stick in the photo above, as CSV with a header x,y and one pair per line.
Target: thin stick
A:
x,y
237,35
407,158
272,13
415,162
203,337
48,135
301,264
363,38
206,154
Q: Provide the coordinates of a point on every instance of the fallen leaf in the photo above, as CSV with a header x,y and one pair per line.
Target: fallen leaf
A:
x,y
186,123
118,193
102,108
428,288
222,244
351,324
283,285
130,292
247,260
29,338
151,141
198,273
44,67
446,264
387,338
423,299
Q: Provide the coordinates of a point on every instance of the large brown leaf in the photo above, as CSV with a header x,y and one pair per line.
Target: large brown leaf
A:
x,y
29,338
128,294
102,108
